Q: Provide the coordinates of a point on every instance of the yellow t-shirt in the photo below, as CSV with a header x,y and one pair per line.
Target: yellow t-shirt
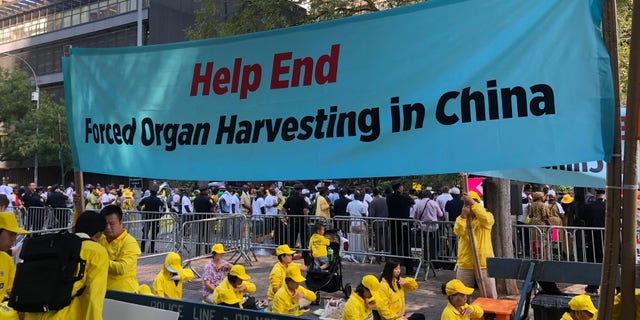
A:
x,y
318,245
224,292
392,302
276,278
356,309
451,313
283,301
7,273
123,259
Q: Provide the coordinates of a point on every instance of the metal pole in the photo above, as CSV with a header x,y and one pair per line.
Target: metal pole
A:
x,y
139,24
34,96
60,150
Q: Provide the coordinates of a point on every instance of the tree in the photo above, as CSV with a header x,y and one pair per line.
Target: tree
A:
x,y
19,118
219,18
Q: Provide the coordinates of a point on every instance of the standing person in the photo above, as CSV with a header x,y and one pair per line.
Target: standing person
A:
x,y
323,208
57,200
443,198
89,304
399,205
454,206
257,213
204,207
33,204
391,304
123,252
168,282
482,223
296,207
428,212
214,272
93,199
457,308
176,201
152,207
340,204
378,209
185,202
290,298
594,216
245,200
362,300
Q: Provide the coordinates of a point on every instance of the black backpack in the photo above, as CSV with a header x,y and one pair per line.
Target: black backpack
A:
x,y
44,279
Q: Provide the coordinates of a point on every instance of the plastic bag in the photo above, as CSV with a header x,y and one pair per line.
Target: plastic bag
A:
x,y
333,309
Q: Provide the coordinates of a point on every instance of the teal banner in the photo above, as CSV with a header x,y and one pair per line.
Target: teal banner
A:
x,y
438,87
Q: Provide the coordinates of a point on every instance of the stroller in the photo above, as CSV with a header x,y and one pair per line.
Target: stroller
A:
x,y
329,280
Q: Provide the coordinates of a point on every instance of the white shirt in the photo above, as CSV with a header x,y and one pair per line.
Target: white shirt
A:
x,y
271,205
186,205
442,200
234,204
255,206
177,202
356,209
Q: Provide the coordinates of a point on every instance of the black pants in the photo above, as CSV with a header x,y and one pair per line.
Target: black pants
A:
x,y
154,227
400,235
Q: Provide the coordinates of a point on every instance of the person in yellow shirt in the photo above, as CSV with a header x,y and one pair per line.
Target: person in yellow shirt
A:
x,y
392,288
362,300
168,282
323,209
292,297
582,308
232,289
9,231
123,251
278,273
318,246
458,308
89,304
481,222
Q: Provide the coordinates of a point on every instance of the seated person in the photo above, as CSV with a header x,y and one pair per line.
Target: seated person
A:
x,y
168,282
582,308
230,292
215,271
318,247
391,304
458,308
292,297
279,270
362,300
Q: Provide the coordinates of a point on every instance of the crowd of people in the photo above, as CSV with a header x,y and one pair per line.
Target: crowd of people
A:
x,y
381,297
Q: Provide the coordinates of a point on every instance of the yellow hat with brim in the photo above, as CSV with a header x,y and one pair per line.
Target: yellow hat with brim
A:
x,y
371,282
238,271
284,249
582,302
475,196
173,262
8,222
456,286
566,199
293,272
218,248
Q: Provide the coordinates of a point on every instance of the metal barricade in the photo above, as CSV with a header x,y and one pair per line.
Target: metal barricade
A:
x,y
270,231
199,231
45,219
558,243
156,232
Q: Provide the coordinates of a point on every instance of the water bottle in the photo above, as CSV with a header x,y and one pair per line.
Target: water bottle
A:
x,y
330,254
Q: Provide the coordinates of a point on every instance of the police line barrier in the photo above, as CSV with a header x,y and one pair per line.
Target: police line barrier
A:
x,y
197,311
157,232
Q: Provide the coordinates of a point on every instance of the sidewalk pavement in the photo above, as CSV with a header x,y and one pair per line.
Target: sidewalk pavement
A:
x,y
427,299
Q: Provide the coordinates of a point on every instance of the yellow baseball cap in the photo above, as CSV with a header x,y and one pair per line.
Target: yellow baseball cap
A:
x,y
456,286
173,263
238,271
284,249
8,222
217,248
293,272
475,196
582,302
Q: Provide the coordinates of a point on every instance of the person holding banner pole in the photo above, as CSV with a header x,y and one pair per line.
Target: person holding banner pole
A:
x,y
474,254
